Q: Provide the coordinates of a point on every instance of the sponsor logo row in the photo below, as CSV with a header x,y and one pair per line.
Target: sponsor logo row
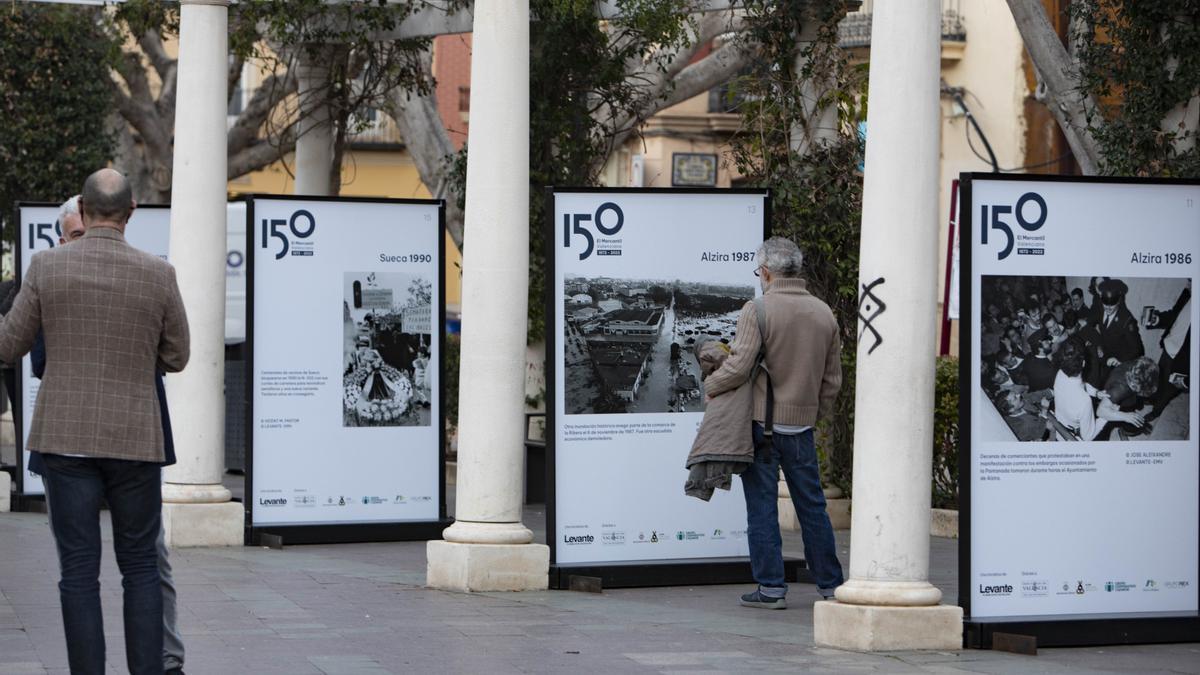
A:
x,y
304,500
622,537
1032,588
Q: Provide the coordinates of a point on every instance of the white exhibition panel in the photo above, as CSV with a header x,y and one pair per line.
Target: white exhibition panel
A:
x,y
235,273
619,475
332,296
1090,529
149,229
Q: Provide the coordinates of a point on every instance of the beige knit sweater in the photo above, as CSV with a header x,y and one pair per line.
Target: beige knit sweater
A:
x,y
803,355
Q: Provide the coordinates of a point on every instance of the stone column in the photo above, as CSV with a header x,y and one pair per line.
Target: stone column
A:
x,y
488,548
820,116
314,134
196,507
888,602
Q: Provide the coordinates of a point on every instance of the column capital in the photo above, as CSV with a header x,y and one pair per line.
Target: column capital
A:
x,y
222,3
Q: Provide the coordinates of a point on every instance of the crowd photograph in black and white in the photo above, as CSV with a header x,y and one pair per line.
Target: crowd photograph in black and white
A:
x,y
1086,358
630,344
387,328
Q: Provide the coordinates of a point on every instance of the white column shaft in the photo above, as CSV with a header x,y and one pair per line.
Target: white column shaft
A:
x,y
822,120
198,252
889,560
495,276
314,140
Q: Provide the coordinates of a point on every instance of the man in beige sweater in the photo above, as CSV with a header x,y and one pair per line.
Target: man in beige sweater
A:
x,y
803,358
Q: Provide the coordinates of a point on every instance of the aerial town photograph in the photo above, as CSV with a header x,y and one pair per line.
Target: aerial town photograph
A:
x,y
630,344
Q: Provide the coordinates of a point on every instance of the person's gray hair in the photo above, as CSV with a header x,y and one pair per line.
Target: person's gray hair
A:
x,y
68,208
782,257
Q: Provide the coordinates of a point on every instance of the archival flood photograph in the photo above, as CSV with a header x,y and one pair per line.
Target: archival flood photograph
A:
x,y
630,344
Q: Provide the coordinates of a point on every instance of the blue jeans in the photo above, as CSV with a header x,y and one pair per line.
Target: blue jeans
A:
x,y
134,495
760,483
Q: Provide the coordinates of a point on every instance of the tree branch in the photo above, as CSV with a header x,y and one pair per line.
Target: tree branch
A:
x,y
234,75
259,155
152,44
1055,67
138,106
425,136
717,68
656,83
246,130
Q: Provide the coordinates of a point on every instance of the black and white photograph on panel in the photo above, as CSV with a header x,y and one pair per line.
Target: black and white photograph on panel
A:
x,y
388,325
630,344
1087,358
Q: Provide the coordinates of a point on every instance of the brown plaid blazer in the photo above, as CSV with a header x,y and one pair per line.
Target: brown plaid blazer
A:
x,y
110,315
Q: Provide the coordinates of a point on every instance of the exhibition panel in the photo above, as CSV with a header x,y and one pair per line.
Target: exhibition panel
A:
x,y
39,229
344,381
1079,460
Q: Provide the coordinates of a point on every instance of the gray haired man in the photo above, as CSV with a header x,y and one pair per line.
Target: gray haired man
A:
x,y
803,359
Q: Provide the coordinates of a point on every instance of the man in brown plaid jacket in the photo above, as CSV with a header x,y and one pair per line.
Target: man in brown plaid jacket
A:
x,y
111,315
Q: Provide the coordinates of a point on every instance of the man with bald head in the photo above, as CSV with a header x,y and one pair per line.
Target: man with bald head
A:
x,y
111,315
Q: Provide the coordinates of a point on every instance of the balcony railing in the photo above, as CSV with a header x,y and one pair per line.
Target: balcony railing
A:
x,y
855,29
380,130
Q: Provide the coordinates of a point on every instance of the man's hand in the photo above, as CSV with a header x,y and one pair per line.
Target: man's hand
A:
x,y
1113,362
1178,380
1133,418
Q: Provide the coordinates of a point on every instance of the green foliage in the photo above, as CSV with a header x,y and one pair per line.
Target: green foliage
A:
x,y
453,358
817,196
1139,61
945,434
577,66
55,99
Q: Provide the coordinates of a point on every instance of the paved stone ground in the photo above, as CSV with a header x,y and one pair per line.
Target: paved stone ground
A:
x,y
362,608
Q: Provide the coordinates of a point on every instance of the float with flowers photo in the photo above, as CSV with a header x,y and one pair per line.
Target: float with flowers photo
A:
x,y
387,327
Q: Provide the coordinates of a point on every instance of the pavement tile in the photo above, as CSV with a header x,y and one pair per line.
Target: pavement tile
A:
x,y
362,608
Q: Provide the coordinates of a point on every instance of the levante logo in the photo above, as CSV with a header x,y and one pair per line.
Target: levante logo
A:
x,y
578,539
1030,213
608,221
1001,589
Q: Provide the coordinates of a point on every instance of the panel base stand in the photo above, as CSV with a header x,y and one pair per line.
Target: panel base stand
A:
x,y
5,492
191,525
1128,630
688,572
455,566
875,628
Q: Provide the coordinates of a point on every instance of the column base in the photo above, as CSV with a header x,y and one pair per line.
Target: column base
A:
x,y
191,525
455,566
874,628
189,493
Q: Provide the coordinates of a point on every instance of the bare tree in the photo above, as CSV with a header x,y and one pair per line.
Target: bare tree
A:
x,y
145,130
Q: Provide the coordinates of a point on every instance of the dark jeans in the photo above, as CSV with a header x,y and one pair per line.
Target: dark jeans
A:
x,y
760,482
134,494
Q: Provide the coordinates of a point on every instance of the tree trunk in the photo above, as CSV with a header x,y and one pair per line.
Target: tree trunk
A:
x,y
1056,71
425,136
